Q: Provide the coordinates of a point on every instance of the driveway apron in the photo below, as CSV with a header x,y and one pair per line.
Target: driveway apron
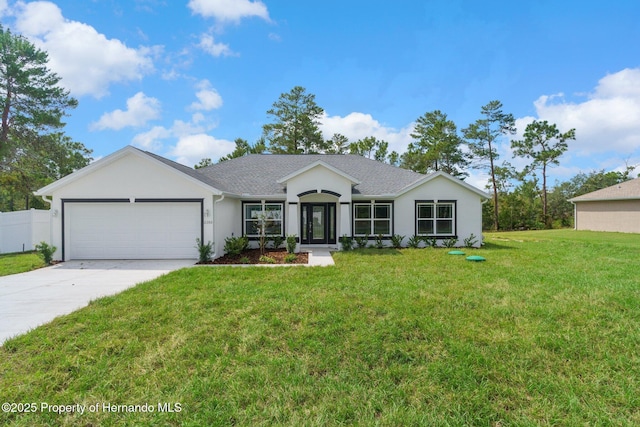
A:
x,y
28,300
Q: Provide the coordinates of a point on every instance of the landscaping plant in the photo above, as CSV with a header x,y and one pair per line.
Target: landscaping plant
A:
x,y
346,242
205,251
46,251
291,243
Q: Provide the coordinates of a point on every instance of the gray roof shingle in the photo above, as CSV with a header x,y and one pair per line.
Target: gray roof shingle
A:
x,y
257,174
627,190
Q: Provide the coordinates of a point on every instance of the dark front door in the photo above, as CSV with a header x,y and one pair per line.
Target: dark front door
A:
x,y
318,223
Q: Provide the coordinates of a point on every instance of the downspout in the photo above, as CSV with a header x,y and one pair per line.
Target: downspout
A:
x,y
215,225
575,216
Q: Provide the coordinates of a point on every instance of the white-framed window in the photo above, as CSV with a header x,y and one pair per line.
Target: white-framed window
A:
x,y
435,218
372,218
255,213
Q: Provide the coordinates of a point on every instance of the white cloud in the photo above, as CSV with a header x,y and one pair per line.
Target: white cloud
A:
x,y
356,126
192,142
87,61
607,121
229,10
208,44
140,110
152,139
208,98
191,149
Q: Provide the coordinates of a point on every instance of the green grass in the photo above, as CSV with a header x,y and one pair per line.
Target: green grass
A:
x,y
19,263
545,332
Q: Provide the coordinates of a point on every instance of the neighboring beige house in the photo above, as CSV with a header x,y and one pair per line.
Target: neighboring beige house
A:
x,y
615,208
134,204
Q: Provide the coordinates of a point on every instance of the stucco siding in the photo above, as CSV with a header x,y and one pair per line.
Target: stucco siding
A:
x,y
468,208
227,219
129,177
620,216
318,179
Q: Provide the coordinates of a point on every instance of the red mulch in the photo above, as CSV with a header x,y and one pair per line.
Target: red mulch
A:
x,y
253,255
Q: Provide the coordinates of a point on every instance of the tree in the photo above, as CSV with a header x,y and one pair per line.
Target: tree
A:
x,y
338,144
436,146
371,148
32,101
203,163
243,148
482,137
33,150
295,129
41,161
543,143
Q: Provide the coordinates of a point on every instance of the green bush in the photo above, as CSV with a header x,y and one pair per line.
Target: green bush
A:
x,y
470,241
234,246
362,241
430,241
379,242
291,243
346,242
450,243
414,242
267,260
46,251
204,251
396,241
277,241
290,258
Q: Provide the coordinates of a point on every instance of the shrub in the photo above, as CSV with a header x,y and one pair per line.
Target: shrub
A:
x,y
267,260
430,241
470,241
46,251
450,243
245,260
290,258
362,241
379,242
346,242
414,241
234,246
291,243
277,241
396,241
204,251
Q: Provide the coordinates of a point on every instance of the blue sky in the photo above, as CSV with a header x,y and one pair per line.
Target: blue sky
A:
x,y
183,79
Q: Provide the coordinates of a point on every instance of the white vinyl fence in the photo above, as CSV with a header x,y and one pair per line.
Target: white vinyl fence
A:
x,y
20,231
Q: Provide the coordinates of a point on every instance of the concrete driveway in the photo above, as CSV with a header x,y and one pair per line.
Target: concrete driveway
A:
x,y
31,299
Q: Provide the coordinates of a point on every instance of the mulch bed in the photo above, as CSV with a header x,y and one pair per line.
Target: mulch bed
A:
x,y
253,256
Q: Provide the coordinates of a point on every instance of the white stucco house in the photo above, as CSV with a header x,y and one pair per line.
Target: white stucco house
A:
x,y
135,204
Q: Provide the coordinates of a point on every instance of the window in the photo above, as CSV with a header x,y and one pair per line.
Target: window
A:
x,y
372,219
270,213
435,219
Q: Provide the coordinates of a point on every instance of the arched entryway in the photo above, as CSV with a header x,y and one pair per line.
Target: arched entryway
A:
x,y
318,217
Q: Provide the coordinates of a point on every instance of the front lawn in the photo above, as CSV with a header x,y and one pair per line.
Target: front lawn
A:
x,y
546,331
19,263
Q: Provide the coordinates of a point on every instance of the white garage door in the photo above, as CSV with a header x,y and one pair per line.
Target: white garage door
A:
x,y
166,230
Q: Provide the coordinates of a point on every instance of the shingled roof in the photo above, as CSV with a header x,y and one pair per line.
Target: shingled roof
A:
x,y
258,174
628,190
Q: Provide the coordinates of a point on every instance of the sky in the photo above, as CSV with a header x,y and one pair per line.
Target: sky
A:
x,y
184,79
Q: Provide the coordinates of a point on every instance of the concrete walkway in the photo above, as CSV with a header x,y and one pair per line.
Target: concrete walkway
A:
x,y
319,257
31,299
